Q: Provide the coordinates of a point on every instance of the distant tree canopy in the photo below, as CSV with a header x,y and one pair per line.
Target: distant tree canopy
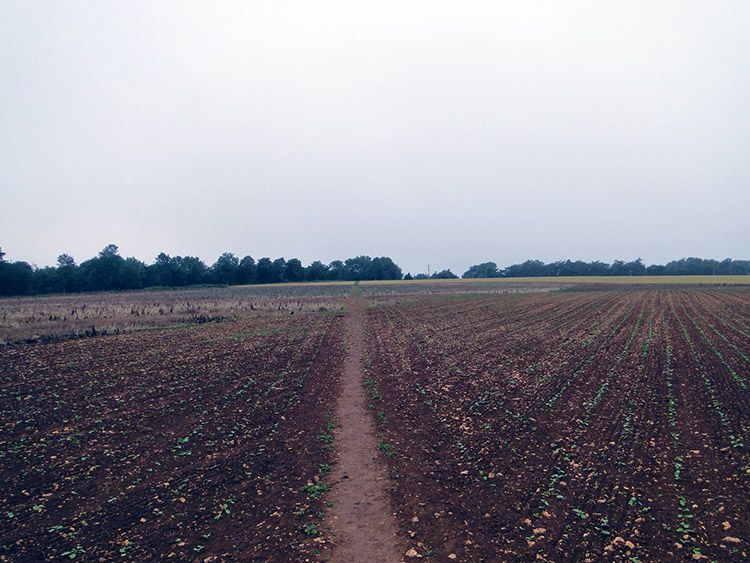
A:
x,y
110,271
682,267
484,270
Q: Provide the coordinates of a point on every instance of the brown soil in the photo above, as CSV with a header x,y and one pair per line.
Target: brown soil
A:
x,y
574,426
197,443
609,426
361,518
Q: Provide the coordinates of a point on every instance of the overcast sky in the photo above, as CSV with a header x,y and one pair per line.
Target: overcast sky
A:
x,y
441,133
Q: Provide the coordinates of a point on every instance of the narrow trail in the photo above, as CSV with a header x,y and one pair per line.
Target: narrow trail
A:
x,y
361,518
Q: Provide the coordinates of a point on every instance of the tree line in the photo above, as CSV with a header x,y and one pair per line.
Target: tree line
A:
x,y
681,267
110,271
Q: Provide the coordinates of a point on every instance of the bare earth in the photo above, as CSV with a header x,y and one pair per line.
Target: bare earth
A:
x,y
361,518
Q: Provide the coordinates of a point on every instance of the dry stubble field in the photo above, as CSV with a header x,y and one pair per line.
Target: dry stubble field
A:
x,y
606,424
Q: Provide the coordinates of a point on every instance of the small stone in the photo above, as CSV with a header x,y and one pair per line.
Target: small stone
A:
x,y
452,556
629,544
415,519
731,539
411,553
540,531
726,525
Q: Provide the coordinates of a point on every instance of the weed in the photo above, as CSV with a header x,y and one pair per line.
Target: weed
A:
x,y
73,553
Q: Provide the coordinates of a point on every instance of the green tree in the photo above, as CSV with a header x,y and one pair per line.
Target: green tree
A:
x,y
247,270
483,270
165,271
294,272
194,271
132,274
356,269
444,275
279,270
264,270
383,268
530,268
67,274
316,271
16,278
226,269
104,272
336,271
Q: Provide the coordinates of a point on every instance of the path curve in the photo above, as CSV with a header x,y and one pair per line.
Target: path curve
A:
x,y
361,518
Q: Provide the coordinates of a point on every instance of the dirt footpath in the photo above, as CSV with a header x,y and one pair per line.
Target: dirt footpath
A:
x,y
361,518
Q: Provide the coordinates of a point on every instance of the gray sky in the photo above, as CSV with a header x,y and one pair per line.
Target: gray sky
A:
x,y
443,133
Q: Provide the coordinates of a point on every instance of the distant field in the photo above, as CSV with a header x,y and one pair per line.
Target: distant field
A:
x,y
565,280
568,280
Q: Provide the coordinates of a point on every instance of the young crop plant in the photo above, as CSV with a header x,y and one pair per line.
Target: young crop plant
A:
x,y
316,489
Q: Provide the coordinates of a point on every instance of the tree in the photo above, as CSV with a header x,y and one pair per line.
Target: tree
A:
x,y
264,271
636,267
336,270
109,251
247,270
165,272
383,268
16,278
103,272
444,275
316,271
45,280
279,270
483,270
132,274
530,268
294,272
65,261
356,269
226,269
67,274
193,269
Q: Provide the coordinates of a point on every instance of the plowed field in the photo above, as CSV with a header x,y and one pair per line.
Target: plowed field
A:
x,y
179,444
571,426
568,427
